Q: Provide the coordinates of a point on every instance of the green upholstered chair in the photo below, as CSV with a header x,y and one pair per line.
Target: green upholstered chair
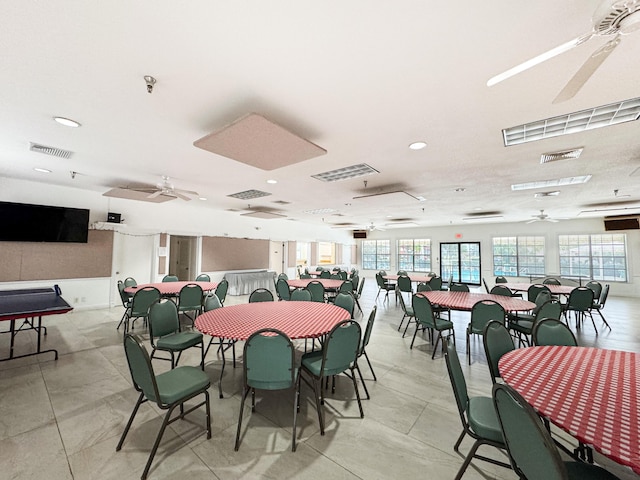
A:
x,y
481,313
170,278
126,303
523,327
317,291
165,334
436,283
301,295
305,275
599,304
458,287
535,289
203,277
343,275
358,294
426,319
383,286
596,287
580,303
269,364
366,336
423,287
501,290
551,281
130,282
140,303
403,285
282,289
501,279
407,312
211,302
190,300
346,287
338,355
261,295
532,451
346,301
402,272
497,341
167,390
283,275
477,414
221,290
549,331
325,274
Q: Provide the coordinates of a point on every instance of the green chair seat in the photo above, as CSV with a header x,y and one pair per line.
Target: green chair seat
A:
x,y
522,326
273,384
442,324
312,361
483,419
180,382
179,341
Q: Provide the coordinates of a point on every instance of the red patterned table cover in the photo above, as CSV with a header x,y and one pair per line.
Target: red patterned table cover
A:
x,y
170,288
327,283
554,289
466,300
296,319
590,393
413,278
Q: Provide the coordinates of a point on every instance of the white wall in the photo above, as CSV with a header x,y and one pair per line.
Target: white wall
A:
x,y
484,234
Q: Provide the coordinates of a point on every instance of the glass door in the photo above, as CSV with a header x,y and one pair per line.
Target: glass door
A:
x,y
461,262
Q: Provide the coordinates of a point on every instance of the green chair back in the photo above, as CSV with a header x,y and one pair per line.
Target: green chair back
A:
x,y
436,283
124,298
501,290
341,348
261,295
282,288
535,289
549,331
404,284
269,360
596,287
211,302
343,275
163,319
317,291
497,341
550,309
335,276
283,275
531,449
190,297
551,281
380,281
130,282
140,367
301,295
221,290
501,279
543,297
170,278
368,329
305,275
603,297
423,311
456,376
203,277
482,313
403,305
142,300
346,287
423,287
346,301
362,286
325,274
459,287
355,281
580,299
402,272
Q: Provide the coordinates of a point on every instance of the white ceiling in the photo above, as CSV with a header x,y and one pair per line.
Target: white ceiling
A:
x,y
361,79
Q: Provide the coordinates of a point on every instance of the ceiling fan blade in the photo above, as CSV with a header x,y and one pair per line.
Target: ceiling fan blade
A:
x,y
554,52
552,220
155,194
588,68
188,192
179,195
532,221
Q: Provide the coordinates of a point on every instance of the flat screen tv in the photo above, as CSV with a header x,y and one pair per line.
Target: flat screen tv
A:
x,y
22,222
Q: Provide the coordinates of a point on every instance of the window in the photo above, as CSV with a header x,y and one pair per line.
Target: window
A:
x,y
414,255
303,253
460,261
518,256
597,257
376,254
326,253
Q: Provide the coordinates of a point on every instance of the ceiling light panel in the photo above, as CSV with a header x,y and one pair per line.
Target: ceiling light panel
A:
x,y
603,116
562,155
345,173
249,194
319,211
558,182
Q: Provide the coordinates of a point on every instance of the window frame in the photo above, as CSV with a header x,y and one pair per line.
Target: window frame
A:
x,y
519,243
381,257
585,252
411,266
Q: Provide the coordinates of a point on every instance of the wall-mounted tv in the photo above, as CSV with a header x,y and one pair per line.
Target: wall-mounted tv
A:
x,y
22,222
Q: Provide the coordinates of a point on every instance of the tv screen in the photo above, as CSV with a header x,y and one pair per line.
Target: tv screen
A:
x,y
22,222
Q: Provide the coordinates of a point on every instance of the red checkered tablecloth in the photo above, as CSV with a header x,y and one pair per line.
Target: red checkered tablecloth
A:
x,y
170,288
588,392
465,300
327,283
554,289
296,319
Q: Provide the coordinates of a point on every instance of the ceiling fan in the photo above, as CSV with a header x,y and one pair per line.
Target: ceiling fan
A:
x,y
372,227
612,18
542,217
164,188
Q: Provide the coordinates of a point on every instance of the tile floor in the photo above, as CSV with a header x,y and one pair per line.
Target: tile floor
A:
x,y
62,419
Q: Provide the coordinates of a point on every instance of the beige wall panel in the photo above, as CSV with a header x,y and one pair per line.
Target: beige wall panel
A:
x,y
224,253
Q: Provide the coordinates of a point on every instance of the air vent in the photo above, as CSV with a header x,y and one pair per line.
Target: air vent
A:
x,y
563,155
56,152
483,214
249,194
319,211
345,173
555,193
282,202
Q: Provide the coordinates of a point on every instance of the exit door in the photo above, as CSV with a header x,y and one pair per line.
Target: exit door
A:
x,y
461,262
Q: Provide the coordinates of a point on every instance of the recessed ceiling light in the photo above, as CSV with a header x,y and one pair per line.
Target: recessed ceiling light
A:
x,y
272,182
417,145
42,170
558,182
202,198
67,122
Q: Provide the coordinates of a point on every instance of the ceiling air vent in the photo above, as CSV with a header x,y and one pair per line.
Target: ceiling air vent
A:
x,y
249,194
563,155
56,152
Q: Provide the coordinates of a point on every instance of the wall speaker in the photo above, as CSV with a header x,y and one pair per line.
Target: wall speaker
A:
x,y
628,223
113,217
359,234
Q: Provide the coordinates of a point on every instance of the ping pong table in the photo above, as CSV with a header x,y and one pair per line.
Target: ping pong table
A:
x,y
30,305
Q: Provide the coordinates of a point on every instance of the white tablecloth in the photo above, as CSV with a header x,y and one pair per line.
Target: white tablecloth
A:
x,y
243,283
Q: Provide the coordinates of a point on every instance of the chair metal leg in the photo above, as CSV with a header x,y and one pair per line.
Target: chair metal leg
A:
x,y
317,390
459,441
363,384
140,401
165,422
414,335
467,460
245,392
603,319
355,387
370,366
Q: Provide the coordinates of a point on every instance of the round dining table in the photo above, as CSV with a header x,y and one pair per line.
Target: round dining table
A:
x,y
296,319
327,283
554,289
590,393
168,289
413,278
466,300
